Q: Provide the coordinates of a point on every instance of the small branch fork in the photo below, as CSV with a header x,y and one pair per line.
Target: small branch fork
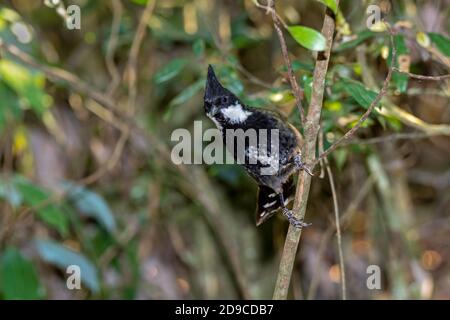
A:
x,y
278,23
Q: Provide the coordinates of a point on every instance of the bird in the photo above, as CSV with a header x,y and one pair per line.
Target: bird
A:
x,y
271,159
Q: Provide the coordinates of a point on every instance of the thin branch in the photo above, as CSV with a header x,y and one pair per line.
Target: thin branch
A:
x,y
132,94
336,218
394,137
350,133
308,150
131,69
420,77
298,92
346,216
117,9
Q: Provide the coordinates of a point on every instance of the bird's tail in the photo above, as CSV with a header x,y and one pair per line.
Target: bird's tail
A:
x,y
269,201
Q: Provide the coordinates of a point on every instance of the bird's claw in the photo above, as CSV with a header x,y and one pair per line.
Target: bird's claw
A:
x,y
297,223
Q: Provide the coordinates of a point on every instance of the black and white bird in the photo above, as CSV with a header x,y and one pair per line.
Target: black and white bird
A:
x,y
281,155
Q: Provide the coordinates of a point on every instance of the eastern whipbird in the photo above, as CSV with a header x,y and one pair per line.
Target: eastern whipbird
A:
x,y
280,153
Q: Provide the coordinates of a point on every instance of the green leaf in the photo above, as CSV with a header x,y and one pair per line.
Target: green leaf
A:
x,y
307,87
198,47
18,277
330,4
10,108
400,79
92,205
184,96
308,38
27,84
359,92
34,196
360,38
340,156
63,257
298,65
188,93
441,42
169,71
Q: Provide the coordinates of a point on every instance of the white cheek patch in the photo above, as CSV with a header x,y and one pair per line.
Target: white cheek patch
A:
x,y
235,113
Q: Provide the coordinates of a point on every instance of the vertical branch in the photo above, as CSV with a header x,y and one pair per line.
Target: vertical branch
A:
x,y
298,92
117,9
304,182
337,220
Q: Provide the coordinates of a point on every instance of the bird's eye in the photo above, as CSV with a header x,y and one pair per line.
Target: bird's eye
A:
x,y
224,100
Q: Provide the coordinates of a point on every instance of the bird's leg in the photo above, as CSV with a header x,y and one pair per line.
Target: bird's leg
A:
x,y
298,223
300,165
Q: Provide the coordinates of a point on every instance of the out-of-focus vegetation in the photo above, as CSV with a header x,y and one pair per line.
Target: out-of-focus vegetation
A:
x,y
83,185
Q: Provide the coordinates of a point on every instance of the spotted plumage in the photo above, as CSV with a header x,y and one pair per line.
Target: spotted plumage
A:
x,y
270,160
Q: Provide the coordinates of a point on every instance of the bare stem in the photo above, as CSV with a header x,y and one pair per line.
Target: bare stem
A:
x,y
311,131
298,92
337,221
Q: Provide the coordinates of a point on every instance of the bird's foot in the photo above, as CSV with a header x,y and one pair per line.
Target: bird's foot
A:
x,y
297,223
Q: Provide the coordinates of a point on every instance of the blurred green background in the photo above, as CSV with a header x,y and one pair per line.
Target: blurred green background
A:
x,y
86,177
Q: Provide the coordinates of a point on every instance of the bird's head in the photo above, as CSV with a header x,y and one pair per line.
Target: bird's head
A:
x,y
216,97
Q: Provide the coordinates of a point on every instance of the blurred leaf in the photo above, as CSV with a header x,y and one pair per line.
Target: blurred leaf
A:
x,y
9,15
10,108
166,30
340,156
400,79
18,277
441,42
360,38
330,4
229,78
9,192
299,65
34,196
379,26
307,87
92,205
188,93
359,92
170,70
393,122
423,39
63,257
27,84
198,47
141,2
184,96
308,38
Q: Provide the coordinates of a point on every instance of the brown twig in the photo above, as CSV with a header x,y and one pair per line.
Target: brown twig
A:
x,y
131,69
350,133
336,218
298,92
117,9
421,77
393,137
346,216
304,182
